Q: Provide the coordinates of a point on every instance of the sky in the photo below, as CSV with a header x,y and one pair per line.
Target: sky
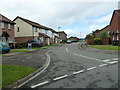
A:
x,y
75,17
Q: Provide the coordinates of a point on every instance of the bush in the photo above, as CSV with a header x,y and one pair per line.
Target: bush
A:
x,y
63,41
22,45
97,41
103,34
89,36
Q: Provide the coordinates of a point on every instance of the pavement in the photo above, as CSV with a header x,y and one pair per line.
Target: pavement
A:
x,y
71,66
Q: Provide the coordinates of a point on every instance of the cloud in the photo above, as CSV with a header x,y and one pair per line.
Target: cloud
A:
x,y
54,14
95,27
71,32
103,19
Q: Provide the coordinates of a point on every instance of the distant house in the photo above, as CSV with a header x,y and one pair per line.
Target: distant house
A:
x,y
96,33
106,39
74,39
62,36
115,27
7,31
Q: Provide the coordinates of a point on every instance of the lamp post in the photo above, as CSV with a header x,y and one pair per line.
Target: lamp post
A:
x,y
59,28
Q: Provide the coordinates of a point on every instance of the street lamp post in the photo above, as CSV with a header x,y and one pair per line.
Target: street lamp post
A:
x,y
59,28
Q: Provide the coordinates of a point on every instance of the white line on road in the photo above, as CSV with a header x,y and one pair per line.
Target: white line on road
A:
x,y
112,62
87,57
91,68
67,50
115,59
103,65
106,60
40,84
60,77
78,72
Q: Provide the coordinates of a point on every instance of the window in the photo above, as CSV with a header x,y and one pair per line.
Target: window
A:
x,y
9,26
10,39
18,29
35,29
2,25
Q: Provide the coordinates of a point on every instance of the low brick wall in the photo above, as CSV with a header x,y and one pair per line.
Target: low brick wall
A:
x,y
105,41
20,40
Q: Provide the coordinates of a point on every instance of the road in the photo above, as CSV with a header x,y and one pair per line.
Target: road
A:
x,y
74,67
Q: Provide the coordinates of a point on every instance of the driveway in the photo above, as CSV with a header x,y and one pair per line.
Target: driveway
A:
x,y
72,67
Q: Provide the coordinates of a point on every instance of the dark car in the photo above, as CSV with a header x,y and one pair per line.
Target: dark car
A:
x,y
36,43
69,41
4,47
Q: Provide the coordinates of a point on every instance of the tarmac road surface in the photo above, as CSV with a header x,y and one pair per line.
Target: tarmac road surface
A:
x,y
74,67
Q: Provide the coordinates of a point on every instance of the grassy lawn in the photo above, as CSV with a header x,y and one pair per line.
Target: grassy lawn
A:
x,y
12,73
105,47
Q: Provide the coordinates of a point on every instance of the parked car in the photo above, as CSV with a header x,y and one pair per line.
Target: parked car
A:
x,y
4,47
36,43
69,41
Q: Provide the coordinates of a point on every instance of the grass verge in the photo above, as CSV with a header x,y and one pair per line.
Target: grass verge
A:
x,y
105,47
12,73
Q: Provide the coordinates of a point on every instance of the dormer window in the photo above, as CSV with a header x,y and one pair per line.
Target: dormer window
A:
x,y
9,26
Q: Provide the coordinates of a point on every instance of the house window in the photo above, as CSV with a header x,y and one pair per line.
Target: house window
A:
x,y
117,37
9,26
35,29
18,29
10,40
2,25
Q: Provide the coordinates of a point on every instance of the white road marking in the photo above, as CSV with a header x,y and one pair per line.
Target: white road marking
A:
x,y
40,84
67,50
78,72
60,77
112,62
91,68
87,57
103,65
106,60
115,59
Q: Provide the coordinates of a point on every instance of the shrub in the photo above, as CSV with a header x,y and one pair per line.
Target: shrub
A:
x,y
22,45
89,36
103,34
97,40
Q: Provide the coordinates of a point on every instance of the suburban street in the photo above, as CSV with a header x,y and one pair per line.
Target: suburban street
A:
x,y
72,66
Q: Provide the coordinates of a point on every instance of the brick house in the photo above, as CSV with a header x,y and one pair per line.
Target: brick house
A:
x,y
7,31
96,33
26,30
74,39
62,36
115,27
106,40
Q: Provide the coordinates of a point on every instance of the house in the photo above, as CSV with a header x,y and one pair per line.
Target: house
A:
x,y
62,36
7,31
105,39
115,27
26,30
96,33
73,39
55,37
